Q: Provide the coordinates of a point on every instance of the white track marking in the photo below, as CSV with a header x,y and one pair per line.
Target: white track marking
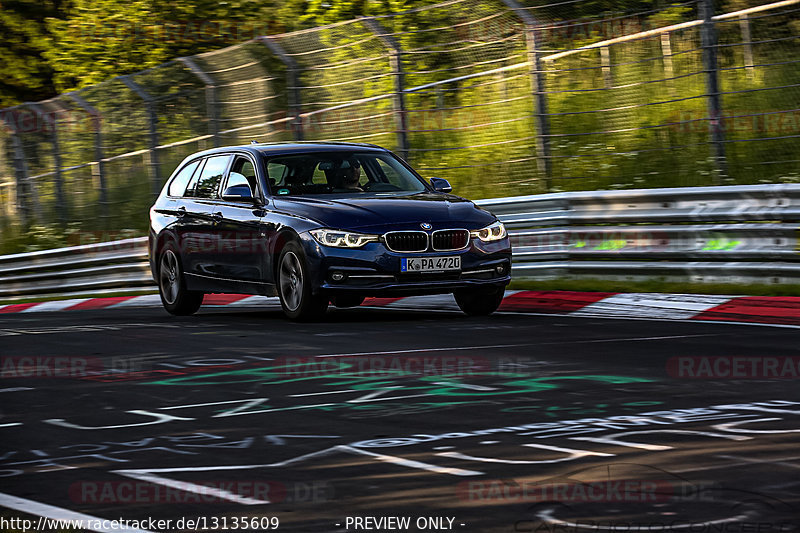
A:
x,y
783,461
146,300
249,401
495,346
417,350
410,463
57,513
55,305
155,475
670,306
730,425
686,321
256,301
195,488
11,424
572,455
547,517
464,386
322,393
614,439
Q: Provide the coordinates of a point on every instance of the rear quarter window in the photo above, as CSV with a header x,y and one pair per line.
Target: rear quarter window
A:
x,y
178,185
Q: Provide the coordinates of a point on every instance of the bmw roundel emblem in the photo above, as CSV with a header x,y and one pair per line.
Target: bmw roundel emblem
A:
x,y
425,226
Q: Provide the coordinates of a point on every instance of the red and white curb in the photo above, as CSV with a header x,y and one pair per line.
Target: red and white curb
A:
x,y
772,310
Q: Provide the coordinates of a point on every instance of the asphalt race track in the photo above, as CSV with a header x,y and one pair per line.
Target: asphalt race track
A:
x,y
398,420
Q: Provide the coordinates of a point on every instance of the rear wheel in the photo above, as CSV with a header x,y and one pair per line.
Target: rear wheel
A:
x,y
176,299
294,286
479,302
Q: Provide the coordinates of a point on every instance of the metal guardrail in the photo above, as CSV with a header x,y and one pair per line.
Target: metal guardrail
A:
x,y
702,234
734,234
86,269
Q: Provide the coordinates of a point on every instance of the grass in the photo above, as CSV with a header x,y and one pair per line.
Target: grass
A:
x,y
55,298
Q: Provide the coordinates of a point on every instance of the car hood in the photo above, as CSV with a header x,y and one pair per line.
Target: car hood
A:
x,y
376,213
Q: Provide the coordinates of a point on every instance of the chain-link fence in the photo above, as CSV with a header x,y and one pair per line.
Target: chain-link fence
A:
x,y
500,98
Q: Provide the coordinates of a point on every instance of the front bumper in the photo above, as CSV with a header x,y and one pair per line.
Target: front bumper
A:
x,y
373,270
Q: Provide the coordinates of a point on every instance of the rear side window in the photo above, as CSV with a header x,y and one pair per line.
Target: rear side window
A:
x,y
179,183
210,177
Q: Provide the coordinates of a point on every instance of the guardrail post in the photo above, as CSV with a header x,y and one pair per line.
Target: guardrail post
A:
x,y
708,38
399,99
292,85
98,149
539,86
211,97
59,180
152,123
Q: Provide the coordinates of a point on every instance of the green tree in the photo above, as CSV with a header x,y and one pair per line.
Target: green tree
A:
x,y
100,39
26,73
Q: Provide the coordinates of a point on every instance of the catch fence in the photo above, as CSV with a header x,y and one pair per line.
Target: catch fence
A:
x,y
500,98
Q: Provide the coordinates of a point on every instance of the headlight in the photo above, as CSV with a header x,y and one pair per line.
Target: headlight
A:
x,y
492,232
342,239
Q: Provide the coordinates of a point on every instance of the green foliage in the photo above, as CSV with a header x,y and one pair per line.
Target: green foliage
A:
x,y
640,123
103,38
26,74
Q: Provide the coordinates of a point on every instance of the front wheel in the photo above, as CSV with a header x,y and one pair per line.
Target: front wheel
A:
x,y
177,300
294,286
479,302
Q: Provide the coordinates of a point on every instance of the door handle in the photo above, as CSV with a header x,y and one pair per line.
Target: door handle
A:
x,y
217,216
181,211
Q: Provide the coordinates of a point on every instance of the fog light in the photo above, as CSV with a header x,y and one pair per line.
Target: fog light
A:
x,y
337,276
500,269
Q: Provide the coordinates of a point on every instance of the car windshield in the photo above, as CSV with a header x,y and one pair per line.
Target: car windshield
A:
x,y
340,173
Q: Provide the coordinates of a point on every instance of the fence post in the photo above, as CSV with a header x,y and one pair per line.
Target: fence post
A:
x,y
399,99
666,53
539,85
152,122
61,209
605,62
98,149
708,38
292,85
747,42
211,97
20,170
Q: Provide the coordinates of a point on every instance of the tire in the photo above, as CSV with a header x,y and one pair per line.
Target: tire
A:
x,y
347,300
294,286
479,302
177,300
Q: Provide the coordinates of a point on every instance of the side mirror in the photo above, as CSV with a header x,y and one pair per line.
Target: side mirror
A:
x,y
238,193
441,185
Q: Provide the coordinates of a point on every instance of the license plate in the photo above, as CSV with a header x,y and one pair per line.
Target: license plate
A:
x,y
430,264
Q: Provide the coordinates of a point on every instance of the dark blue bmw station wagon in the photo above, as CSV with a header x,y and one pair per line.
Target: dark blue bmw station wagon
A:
x,y
320,223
